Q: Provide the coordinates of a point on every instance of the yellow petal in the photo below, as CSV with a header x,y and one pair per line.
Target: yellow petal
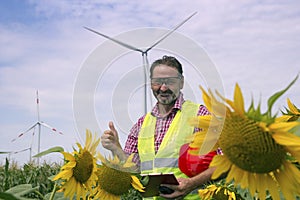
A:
x,y
205,122
262,181
129,162
245,181
222,165
137,184
273,188
101,158
70,188
69,165
283,118
218,108
288,181
292,108
206,99
283,126
68,156
65,174
290,142
88,138
238,100
198,139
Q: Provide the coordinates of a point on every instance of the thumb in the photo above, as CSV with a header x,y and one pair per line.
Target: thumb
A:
x,y
112,128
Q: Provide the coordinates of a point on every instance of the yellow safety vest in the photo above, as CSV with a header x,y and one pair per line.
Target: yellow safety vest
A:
x,y
166,158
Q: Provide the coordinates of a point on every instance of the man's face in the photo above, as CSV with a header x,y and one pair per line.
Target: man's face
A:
x,y
166,84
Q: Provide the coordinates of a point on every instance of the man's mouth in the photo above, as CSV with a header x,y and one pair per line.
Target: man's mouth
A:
x,y
164,95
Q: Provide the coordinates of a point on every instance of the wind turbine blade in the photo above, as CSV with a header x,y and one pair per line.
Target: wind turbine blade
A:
x,y
53,129
37,105
22,133
15,152
116,41
171,31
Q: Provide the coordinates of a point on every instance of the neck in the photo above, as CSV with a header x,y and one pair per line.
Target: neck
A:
x,y
164,110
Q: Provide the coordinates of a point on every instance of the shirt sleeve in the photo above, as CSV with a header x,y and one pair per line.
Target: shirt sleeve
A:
x,y
203,110
131,145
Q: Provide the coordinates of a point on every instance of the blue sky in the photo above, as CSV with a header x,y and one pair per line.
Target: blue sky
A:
x,y
44,46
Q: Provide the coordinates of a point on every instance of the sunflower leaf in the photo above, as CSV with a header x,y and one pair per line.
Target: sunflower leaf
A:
x,y
51,150
20,190
275,96
144,180
7,196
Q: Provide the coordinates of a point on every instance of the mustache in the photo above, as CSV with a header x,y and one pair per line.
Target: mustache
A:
x,y
164,92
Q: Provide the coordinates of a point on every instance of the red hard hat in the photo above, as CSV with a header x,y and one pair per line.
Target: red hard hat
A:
x,y
192,165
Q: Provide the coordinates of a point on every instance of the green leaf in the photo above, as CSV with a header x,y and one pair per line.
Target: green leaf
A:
x,y
51,150
144,180
275,96
57,196
7,196
5,152
21,190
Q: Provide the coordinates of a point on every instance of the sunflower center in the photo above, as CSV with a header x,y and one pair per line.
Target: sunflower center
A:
x,y
84,167
220,195
114,181
247,146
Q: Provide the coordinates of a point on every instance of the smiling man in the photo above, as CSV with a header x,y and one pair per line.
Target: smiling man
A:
x,y
157,137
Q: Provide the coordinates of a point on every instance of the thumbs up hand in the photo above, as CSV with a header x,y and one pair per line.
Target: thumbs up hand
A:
x,y
110,138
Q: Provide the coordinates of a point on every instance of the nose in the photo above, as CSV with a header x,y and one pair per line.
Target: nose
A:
x,y
164,87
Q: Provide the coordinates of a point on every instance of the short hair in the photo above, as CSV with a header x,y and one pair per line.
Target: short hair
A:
x,y
169,61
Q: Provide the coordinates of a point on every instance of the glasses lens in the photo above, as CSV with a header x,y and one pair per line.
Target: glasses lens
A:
x,y
168,81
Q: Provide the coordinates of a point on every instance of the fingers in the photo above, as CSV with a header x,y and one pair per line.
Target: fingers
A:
x,y
111,134
110,139
112,127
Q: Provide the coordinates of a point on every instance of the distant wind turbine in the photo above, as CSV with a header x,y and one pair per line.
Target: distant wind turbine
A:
x,y
38,124
144,52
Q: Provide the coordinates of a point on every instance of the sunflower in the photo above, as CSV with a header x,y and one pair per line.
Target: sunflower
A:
x,y
78,174
219,191
292,113
115,178
255,145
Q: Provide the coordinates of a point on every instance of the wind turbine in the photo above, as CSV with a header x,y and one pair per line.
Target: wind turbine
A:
x,y
38,124
144,52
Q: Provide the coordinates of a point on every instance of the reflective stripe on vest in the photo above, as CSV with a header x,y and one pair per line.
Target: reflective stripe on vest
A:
x,y
166,158
159,163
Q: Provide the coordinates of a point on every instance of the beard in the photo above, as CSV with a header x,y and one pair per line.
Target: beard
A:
x,y
167,97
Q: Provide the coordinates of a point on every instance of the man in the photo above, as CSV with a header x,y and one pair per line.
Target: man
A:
x,y
156,138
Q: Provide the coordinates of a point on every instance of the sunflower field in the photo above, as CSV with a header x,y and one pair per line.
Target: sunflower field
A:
x,y
31,181
26,182
259,159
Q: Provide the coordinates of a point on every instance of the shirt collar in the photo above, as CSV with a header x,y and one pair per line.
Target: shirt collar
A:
x,y
177,106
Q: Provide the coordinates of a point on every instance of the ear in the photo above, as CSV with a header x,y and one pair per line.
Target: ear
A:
x,y
182,82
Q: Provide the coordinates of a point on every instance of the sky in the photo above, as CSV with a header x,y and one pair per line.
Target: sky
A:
x,y
84,81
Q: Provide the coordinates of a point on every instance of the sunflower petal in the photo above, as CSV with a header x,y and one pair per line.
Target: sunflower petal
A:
x,y
292,107
238,100
288,181
68,156
203,121
69,165
283,118
290,142
137,184
206,99
65,174
283,126
222,165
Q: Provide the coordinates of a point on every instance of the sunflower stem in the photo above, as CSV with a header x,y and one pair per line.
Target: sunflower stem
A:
x,y
53,192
